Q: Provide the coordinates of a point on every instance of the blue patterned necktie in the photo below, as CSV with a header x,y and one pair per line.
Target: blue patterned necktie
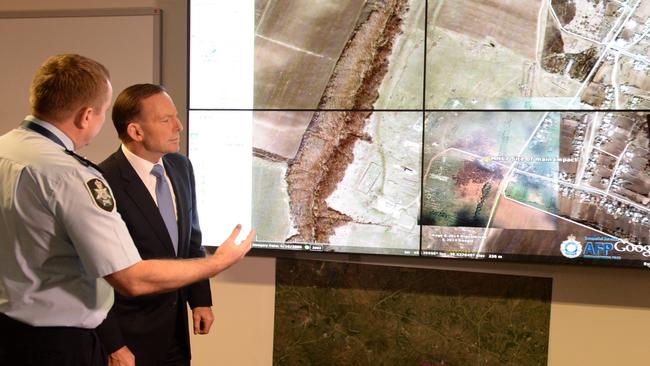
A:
x,y
165,204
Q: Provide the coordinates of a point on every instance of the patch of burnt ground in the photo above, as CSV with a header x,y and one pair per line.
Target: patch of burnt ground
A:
x,y
555,60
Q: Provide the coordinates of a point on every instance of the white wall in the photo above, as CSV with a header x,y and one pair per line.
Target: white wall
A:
x,y
599,316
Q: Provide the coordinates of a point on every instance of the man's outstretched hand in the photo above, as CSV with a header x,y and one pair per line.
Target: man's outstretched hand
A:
x,y
231,251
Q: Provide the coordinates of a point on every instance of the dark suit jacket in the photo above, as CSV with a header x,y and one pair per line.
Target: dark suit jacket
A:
x,y
146,324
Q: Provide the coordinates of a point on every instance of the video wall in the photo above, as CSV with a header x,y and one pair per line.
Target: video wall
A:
x,y
514,130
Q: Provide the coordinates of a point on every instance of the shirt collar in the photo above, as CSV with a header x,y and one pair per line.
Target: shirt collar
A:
x,y
142,166
52,128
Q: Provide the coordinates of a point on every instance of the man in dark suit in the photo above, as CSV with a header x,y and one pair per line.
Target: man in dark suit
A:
x,y
153,329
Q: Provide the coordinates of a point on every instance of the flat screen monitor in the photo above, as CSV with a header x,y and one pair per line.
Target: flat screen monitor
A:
x,y
458,129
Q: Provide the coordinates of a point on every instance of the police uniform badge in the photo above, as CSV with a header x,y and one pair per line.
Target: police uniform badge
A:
x,y
101,194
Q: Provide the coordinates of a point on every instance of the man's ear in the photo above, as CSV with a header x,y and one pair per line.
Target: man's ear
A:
x,y
134,131
82,117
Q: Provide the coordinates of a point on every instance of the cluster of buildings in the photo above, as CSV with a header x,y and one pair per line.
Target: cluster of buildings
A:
x,y
609,188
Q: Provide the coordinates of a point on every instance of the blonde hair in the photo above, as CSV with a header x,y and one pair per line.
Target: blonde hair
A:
x,y
66,83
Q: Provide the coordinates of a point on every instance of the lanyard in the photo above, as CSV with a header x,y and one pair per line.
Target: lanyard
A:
x,y
30,125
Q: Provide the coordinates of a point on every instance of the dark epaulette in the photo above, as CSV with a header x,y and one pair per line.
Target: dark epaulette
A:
x,y
83,161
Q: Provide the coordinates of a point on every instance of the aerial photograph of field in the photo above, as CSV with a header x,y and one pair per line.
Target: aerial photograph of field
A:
x,y
311,54
538,54
330,167
393,126
531,181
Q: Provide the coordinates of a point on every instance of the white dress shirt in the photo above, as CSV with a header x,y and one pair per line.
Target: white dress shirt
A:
x,y
143,168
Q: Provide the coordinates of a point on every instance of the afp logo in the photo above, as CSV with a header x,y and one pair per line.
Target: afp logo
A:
x,y
571,248
598,248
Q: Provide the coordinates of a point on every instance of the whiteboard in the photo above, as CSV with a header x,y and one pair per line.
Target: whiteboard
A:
x,y
126,41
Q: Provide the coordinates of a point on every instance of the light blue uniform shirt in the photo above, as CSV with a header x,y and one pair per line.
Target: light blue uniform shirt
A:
x,y
60,233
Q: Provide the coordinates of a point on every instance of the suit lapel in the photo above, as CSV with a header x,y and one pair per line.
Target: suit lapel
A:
x,y
181,201
141,197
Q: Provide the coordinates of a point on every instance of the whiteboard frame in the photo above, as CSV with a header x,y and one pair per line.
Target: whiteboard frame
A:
x,y
108,12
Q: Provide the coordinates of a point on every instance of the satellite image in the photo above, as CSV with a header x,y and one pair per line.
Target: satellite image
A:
x,y
346,172
538,54
533,179
465,126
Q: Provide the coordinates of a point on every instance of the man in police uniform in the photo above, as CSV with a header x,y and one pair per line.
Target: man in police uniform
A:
x,y
154,329
62,241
